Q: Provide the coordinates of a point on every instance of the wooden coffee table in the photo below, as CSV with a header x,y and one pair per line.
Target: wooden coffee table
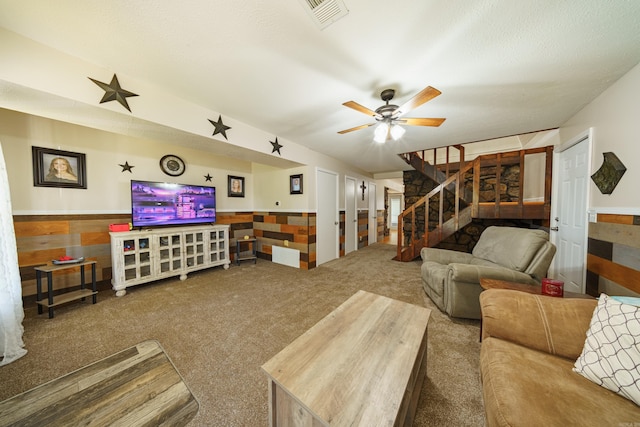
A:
x,y
363,364
523,287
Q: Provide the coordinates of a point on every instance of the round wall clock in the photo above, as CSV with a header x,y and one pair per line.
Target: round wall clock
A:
x,y
172,165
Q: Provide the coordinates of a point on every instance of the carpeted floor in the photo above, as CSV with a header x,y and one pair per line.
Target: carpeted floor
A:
x,y
219,326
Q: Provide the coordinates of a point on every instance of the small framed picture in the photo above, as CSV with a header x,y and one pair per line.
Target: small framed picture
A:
x,y
235,186
295,184
57,168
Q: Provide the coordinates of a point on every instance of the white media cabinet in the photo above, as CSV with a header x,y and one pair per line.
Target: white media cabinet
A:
x,y
151,254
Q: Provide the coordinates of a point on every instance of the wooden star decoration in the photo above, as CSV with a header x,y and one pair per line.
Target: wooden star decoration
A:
x,y
114,92
208,178
220,127
126,167
276,146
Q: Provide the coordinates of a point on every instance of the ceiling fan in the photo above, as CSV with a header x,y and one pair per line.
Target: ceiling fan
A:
x,y
389,116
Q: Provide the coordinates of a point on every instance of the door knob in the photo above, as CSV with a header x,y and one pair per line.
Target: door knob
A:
x,y
554,229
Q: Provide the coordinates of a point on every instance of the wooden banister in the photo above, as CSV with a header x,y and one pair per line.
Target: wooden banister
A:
x,y
455,185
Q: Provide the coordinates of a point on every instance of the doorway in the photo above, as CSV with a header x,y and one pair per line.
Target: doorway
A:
x,y
373,214
395,203
395,208
327,219
570,211
350,216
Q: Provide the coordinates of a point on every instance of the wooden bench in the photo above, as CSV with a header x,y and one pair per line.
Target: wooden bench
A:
x,y
138,386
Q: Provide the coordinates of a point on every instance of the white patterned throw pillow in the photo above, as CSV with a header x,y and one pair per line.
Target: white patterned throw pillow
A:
x,y
611,353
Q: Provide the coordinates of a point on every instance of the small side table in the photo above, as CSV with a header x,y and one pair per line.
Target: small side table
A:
x,y
82,293
253,256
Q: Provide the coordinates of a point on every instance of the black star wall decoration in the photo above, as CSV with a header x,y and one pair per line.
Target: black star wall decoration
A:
x,y
127,167
220,128
276,146
208,178
114,92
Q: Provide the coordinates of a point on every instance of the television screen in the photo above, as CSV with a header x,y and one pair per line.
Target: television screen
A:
x,y
162,203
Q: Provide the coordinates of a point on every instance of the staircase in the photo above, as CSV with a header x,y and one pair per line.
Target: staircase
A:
x,y
460,184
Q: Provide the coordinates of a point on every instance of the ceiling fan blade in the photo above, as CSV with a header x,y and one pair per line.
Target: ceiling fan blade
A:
x,y
420,121
421,97
361,108
356,128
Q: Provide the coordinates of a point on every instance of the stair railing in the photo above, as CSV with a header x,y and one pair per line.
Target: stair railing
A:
x,y
423,154
458,180
478,209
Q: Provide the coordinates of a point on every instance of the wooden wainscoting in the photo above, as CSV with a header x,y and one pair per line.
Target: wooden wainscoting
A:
x,y
42,238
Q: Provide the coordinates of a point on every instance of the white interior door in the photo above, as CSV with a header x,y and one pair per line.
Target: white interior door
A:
x,y
327,219
570,217
373,214
350,216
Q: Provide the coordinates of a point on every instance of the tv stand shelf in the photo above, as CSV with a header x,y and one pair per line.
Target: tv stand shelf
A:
x,y
151,254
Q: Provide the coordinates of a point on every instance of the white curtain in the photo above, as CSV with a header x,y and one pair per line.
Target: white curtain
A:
x,y
11,311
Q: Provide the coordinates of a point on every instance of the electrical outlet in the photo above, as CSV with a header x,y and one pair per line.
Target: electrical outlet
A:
x,y
286,243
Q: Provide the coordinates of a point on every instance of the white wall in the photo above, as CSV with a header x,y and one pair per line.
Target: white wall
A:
x,y
34,78
105,151
107,186
615,119
272,186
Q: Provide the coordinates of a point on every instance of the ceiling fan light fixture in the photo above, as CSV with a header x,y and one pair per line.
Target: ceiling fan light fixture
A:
x,y
389,116
380,134
397,131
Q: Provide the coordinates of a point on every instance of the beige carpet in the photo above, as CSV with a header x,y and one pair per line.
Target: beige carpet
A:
x,y
219,326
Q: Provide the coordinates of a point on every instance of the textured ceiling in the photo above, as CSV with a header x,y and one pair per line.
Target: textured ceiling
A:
x,y
504,67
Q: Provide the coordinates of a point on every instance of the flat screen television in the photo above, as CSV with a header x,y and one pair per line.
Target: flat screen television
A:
x,y
162,203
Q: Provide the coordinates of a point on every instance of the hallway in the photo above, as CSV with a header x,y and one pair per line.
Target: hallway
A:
x,y
392,238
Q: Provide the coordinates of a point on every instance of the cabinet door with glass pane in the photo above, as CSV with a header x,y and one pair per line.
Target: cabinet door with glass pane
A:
x,y
219,247
169,253
194,246
132,260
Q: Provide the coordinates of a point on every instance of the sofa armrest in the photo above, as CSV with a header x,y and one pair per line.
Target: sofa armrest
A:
x,y
472,273
444,256
554,325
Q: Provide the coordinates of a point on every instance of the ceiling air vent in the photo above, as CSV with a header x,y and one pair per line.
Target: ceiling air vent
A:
x,y
325,12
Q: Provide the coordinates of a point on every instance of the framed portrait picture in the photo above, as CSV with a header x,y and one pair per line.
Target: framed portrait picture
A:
x,y
295,184
235,186
57,168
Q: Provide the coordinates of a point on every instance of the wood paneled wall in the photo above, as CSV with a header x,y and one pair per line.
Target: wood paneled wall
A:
x,y
297,229
362,229
43,238
613,255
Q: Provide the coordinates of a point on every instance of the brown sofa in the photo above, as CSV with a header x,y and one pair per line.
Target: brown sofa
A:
x,y
529,346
